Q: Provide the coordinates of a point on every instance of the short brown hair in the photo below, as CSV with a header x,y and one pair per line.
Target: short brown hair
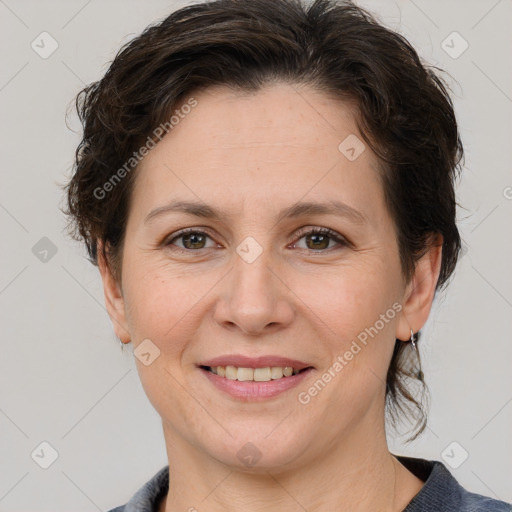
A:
x,y
404,114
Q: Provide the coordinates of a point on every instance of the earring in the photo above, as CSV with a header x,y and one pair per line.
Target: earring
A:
x,y
412,340
419,373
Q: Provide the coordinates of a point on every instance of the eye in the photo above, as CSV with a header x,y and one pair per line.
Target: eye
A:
x,y
319,239
192,239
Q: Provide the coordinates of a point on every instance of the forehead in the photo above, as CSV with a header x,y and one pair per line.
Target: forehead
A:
x,y
279,143
275,115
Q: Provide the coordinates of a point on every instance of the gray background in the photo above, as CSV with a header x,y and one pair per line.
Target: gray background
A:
x,y
63,377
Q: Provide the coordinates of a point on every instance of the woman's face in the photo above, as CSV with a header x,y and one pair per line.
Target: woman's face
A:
x,y
253,281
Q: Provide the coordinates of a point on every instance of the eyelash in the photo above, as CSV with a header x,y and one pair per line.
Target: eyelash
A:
x,y
301,233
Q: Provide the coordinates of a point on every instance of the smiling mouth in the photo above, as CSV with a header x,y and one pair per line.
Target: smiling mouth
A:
x,y
265,374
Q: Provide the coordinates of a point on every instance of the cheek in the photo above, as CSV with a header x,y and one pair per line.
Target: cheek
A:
x,y
346,298
163,302
160,307
351,309
356,317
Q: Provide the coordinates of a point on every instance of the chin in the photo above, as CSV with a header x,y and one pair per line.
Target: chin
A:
x,y
260,451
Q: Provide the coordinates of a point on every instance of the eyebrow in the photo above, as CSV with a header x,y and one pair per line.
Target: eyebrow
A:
x,y
200,209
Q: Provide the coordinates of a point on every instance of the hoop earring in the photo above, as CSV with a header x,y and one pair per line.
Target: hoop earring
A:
x,y
412,341
419,374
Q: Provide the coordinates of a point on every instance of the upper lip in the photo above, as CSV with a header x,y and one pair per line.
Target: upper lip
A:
x,y
241,361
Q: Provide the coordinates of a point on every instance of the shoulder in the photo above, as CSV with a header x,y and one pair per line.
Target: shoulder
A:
x,y
441,491
148,497
471,502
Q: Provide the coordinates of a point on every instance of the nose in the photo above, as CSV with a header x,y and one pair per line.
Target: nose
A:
x,y
254,298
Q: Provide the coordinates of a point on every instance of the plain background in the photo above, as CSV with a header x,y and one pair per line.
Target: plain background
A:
x,y
64,379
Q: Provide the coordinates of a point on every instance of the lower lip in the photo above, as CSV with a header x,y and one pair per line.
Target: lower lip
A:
x,y
252,391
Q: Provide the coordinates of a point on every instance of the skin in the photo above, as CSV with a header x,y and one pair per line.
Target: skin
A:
x,y
251,156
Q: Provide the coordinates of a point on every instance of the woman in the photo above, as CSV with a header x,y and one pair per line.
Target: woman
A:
x,y
268,191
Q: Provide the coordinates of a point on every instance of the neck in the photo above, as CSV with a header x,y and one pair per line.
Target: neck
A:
x,y
358,474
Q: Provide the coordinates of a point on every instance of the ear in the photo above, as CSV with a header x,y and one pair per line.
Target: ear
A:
x,y
419,292
114,300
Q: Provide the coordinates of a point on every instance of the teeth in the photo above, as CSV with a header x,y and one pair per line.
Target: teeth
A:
x,y
262,374
276,372
231,372
245,374
254,374
287,371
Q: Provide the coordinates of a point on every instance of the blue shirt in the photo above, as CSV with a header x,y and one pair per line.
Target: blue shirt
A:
x,y
440,493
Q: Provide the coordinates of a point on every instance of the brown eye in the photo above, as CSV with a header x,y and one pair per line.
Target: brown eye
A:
x,y
319,239
191,240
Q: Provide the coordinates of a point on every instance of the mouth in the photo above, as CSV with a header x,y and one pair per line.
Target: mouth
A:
x,y
254,379
262,374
